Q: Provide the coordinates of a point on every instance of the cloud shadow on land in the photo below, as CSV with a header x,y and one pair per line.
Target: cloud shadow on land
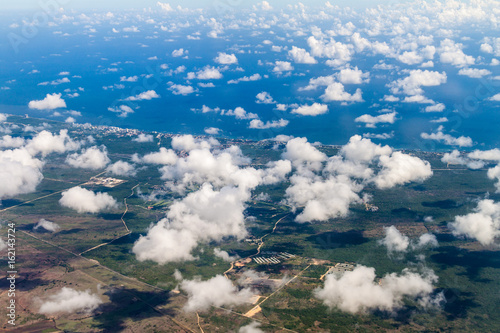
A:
x,y
129,304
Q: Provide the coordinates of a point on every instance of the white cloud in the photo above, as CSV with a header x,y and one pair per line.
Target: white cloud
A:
x,y
394,240
336,92
474,73
254,77
129,79
264,5
462,141
412,84
435,108
144,138
218,291
164,156
8,141
495,98
451,53
123,110
352,76
86,201
91,158
264,98
165,6
253,327
301,56
46,143
212,130
122,168
70,300
486,155
357,291
179,89
179,52
147,95
259,124
20,172
226,59
224,255
208,73
372,121
189,142
50,102
282,66
483,224
311,110
240,113
47,225
337,52
399,169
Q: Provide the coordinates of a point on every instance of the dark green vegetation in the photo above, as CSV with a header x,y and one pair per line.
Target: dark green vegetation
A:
x,y
468,272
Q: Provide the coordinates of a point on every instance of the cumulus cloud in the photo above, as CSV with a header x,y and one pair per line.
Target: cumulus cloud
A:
x,y
337,52
45,143
189,142
462,141
202,216
50,102
20,172
259,124
451,53
352,76
358,292
226,59
495,98
218,291
122,168
474,73
301,56
70,301
47,225
483,224
179,89
336,92
435,108
311,110
91,158
207,73
164,156
179,52
399,169
282,66
8,141
254,77
212,130
122,110
224,255
372,121
144,96
394,240
413,83
264,98
143,138
86,201
253,327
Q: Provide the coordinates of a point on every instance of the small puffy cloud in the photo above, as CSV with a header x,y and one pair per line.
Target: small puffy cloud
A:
x,y
86,201
91,158
254,77
122,168
435,108
3,117
486,155
8,141
224,255
264,98
179,52
311,110
207,73
122,110
212,130
483,224
218,291
451,53
462,141
70,120
189,142
259,124
495,98
164,156
45,143
301,56
474,73
129,79
240,113
352,76
179,89
440,120
264,5
50,102
337,52
413,83
358,292
336,92
372,121
70,301
147,95
394,241
226,59
253,327
47,225
20,172
282,66
144,138
399,169
165,6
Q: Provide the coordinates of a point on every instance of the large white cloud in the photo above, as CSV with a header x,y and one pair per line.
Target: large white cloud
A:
x,y
336,92
451,53
301,56
91,158
483,224
46,143
358,292
50,102
86,201
122,168
462,141
70,300
218,291
413,83
399,169
20,172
